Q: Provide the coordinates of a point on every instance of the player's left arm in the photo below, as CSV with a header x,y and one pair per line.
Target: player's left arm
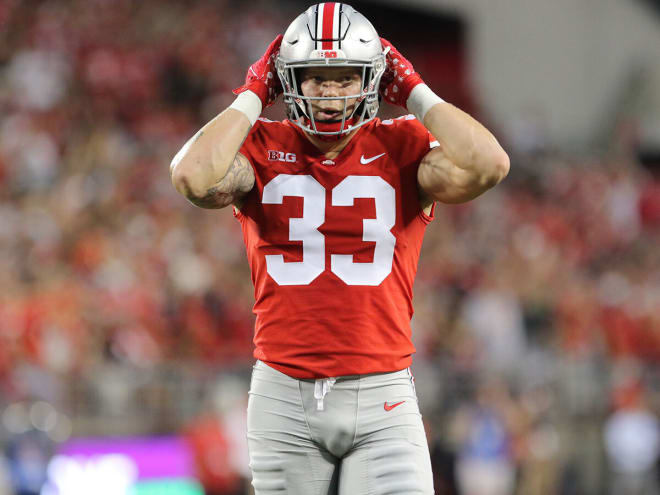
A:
x,y
468,161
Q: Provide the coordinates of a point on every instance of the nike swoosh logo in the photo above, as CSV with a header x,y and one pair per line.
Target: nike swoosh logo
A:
x,y
392,406
364,160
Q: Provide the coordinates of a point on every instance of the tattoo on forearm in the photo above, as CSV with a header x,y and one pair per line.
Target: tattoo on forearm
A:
x,y
238,181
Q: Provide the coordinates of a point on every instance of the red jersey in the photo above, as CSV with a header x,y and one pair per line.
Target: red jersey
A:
x,y
333,247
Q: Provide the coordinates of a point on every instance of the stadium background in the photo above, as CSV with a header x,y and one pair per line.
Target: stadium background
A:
x,y
125,319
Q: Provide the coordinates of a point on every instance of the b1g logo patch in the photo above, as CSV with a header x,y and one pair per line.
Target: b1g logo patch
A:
x,y
280,156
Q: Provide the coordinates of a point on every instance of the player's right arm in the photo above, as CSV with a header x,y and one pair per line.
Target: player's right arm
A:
x,y
209,170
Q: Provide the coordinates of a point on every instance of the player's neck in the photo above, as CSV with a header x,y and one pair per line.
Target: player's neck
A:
x,y
331,148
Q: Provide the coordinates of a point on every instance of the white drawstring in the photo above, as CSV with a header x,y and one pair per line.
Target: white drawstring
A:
x,y
321,387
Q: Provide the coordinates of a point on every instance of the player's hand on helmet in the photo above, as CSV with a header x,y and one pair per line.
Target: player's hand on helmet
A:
x,y
262,78
399,77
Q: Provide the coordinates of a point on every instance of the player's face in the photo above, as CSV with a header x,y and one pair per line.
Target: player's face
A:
x,y
328,82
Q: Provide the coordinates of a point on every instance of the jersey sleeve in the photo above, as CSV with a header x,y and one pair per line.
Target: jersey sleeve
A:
x,y
408,142
249,147
264,141
253,142
415,132
410,135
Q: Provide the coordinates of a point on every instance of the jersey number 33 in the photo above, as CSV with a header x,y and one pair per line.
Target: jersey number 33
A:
x,y
305,229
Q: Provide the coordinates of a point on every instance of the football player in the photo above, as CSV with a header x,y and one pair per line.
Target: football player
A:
x,y
333,204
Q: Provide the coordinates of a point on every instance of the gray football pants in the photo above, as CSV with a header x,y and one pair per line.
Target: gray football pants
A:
x,y
353,435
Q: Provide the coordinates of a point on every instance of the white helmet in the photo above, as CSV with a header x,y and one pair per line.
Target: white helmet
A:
x,y
331,35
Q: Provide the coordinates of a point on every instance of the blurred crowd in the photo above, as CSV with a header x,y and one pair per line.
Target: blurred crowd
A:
x,y
537,321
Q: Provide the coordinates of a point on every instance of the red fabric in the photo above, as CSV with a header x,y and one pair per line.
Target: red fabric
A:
x,y
399,78
328,16
261,77
330,327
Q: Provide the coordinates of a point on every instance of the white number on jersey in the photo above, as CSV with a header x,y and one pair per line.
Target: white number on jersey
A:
x,y
305,229
300,229
374,229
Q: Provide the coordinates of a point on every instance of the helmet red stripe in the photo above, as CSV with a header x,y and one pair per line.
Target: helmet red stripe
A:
x,y
328,19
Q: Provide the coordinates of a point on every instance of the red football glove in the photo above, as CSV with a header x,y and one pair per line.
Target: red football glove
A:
x,y
262,78
399,77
